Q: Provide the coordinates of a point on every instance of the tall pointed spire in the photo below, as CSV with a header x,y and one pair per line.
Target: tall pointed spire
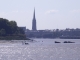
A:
x,y
34,12
34,22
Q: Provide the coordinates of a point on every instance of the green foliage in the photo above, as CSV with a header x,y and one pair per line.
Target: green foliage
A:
x,y
13,26
4,24
10,28
2,32
20,31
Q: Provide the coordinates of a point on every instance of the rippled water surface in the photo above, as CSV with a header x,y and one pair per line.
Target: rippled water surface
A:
x,y
40,49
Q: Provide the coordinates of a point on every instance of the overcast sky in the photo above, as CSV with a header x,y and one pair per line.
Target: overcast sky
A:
x,y
50,14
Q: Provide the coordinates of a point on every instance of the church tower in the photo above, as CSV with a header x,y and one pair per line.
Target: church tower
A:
x,y
34,22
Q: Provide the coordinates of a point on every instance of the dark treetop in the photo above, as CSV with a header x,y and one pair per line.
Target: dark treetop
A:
x,y
10,30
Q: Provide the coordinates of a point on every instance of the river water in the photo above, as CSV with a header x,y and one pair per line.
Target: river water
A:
x,y
40,49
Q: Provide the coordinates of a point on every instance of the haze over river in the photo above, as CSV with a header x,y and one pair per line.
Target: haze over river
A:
x,y
40,49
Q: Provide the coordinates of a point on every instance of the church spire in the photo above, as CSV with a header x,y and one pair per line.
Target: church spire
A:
x,y
34,13
34,22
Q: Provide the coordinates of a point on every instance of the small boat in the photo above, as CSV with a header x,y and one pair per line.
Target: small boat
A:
x,y
57,42
68,42
26,43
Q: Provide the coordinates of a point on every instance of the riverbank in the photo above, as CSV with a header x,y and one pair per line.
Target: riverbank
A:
x,y
13,38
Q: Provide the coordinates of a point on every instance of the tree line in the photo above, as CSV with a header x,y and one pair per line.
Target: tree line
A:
x,y
10,28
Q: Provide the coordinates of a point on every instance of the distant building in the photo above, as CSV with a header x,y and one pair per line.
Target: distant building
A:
x,y
24,28
34,22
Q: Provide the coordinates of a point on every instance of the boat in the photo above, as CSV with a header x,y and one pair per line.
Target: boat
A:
x,y
57,42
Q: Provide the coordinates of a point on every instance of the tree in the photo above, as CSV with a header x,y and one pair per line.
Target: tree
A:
x,y
10,27
4,24
2,32
13,26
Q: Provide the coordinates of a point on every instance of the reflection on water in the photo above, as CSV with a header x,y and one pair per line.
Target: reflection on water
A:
x,y
42,49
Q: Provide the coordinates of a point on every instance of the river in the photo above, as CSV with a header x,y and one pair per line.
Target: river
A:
x,y
40,49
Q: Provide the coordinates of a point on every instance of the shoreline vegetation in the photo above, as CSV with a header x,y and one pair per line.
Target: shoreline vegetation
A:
x,y
10,31
13,38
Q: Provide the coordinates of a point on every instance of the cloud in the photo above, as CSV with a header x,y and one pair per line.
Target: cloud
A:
x,y
76,11
51,11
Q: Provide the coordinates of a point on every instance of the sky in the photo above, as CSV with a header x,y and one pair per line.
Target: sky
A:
x,y
50,14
